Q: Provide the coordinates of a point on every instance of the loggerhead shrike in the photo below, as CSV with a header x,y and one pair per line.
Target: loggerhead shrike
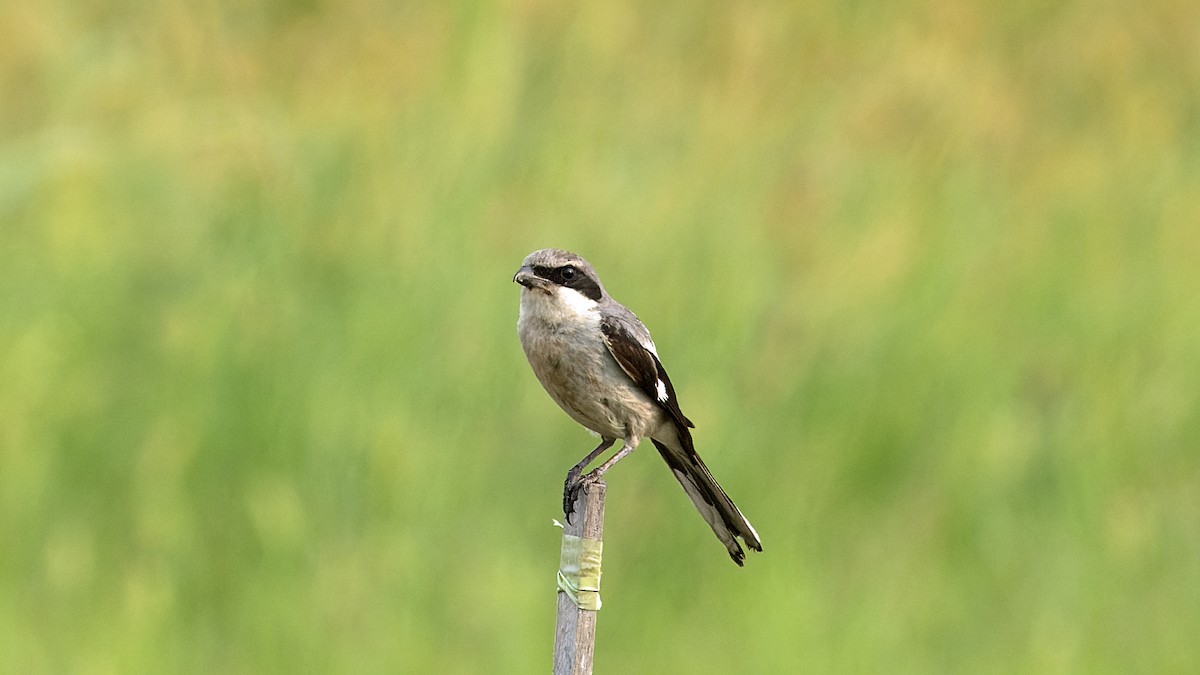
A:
x,y
597,361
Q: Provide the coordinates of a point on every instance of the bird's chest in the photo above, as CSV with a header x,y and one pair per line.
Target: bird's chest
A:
x,y
574,366
563,356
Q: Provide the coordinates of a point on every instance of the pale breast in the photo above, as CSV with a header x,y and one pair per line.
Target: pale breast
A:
x,y
574,366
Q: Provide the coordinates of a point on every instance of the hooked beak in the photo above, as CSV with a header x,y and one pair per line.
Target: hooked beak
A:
x,y
528,279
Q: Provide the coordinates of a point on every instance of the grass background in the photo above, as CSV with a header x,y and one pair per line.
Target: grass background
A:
x,y
924,273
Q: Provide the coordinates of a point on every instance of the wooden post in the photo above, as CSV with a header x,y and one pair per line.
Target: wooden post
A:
x,y
575,628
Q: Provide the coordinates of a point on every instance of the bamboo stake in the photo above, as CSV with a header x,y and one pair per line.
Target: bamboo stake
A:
x,y
575,628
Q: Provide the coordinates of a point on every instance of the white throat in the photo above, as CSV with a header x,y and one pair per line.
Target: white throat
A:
x,y
562,305
576,303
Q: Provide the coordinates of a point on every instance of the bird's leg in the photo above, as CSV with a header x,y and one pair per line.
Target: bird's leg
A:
x,y
573,483
595,474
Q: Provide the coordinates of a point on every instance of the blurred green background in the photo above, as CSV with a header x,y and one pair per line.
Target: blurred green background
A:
x,y
924,273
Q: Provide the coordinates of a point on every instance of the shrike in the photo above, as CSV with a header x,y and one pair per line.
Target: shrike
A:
x,y
597,361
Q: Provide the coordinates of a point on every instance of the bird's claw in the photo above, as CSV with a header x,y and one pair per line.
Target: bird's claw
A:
x,y
572,486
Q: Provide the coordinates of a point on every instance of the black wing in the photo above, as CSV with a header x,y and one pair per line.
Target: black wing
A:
x,y
642,366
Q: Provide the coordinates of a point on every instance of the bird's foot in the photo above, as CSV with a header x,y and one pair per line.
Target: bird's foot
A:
x,y
572,486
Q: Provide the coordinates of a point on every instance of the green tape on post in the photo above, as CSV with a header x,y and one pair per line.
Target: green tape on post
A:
x,y
579,571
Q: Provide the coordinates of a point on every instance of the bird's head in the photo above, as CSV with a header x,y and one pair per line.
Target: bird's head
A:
x,y
561,278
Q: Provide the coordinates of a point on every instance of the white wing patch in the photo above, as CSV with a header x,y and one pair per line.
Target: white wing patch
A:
x,y
661,388
648,344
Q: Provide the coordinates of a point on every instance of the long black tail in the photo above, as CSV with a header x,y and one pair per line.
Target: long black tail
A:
x,y
711,501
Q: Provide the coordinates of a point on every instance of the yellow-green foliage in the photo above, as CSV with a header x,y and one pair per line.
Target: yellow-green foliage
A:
x,y
925,275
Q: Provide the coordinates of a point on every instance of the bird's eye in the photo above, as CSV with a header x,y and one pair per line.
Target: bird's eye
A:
x,y
568,273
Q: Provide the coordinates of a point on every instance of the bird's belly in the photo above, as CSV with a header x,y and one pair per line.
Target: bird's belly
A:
x,y
581,376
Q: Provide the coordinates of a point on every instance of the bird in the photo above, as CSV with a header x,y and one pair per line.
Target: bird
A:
x,y
597,361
